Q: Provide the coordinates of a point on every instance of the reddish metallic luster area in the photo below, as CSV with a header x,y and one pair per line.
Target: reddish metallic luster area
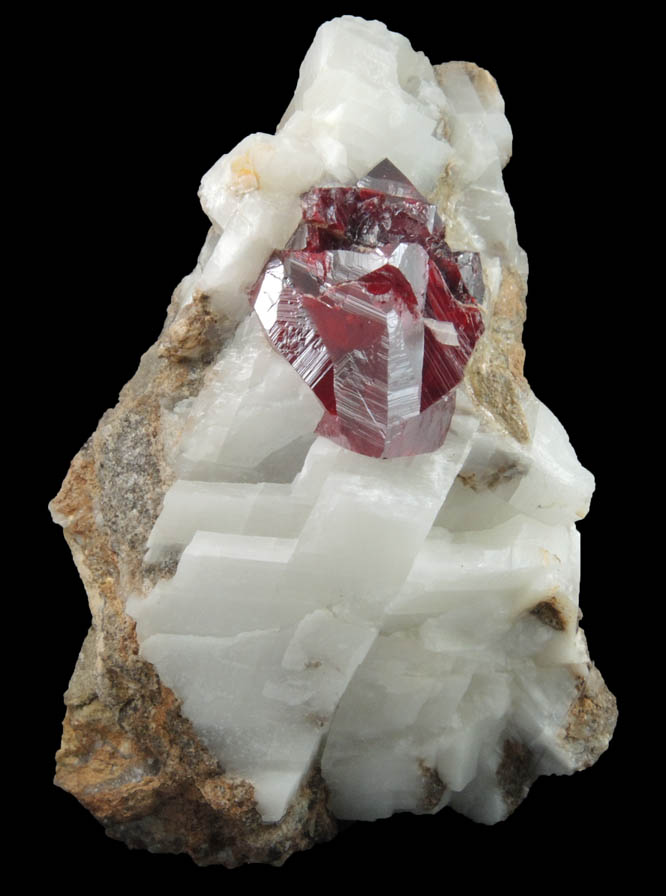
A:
x,y
375,312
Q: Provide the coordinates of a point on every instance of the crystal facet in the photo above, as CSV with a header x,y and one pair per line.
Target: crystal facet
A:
x,y
376,313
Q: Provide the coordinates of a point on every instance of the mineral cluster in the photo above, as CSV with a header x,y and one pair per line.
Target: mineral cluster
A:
x,y
328,533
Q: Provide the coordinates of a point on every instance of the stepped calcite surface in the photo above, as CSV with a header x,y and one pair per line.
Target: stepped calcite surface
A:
x,y
285,631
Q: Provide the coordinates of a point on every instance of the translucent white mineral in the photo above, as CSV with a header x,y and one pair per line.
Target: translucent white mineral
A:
x,y
401,623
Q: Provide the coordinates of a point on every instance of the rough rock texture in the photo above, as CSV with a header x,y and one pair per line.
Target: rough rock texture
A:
x,y
128,754
495,372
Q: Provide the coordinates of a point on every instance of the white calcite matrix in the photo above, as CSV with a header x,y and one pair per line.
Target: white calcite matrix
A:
x,y
409,626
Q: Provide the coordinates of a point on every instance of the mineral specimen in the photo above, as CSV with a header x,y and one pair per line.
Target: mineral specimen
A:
x,y
329,541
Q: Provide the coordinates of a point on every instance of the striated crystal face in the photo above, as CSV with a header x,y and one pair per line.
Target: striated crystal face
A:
x,y
375,312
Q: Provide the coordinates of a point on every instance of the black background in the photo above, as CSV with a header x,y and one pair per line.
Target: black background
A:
x,y
129,113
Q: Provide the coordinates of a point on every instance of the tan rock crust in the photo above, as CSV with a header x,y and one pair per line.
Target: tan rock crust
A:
x,y
127,753
515,772
592,719
550,613
433,787
495,370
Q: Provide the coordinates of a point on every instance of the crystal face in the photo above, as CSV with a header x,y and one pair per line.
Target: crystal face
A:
x,y
375,312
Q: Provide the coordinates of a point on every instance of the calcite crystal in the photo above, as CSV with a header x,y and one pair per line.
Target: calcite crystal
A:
x,y
328,532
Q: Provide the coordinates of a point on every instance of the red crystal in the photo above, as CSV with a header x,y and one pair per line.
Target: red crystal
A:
x,y
375,312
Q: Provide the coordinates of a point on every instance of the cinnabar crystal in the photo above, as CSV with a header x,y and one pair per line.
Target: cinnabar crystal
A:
x,y
375,312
